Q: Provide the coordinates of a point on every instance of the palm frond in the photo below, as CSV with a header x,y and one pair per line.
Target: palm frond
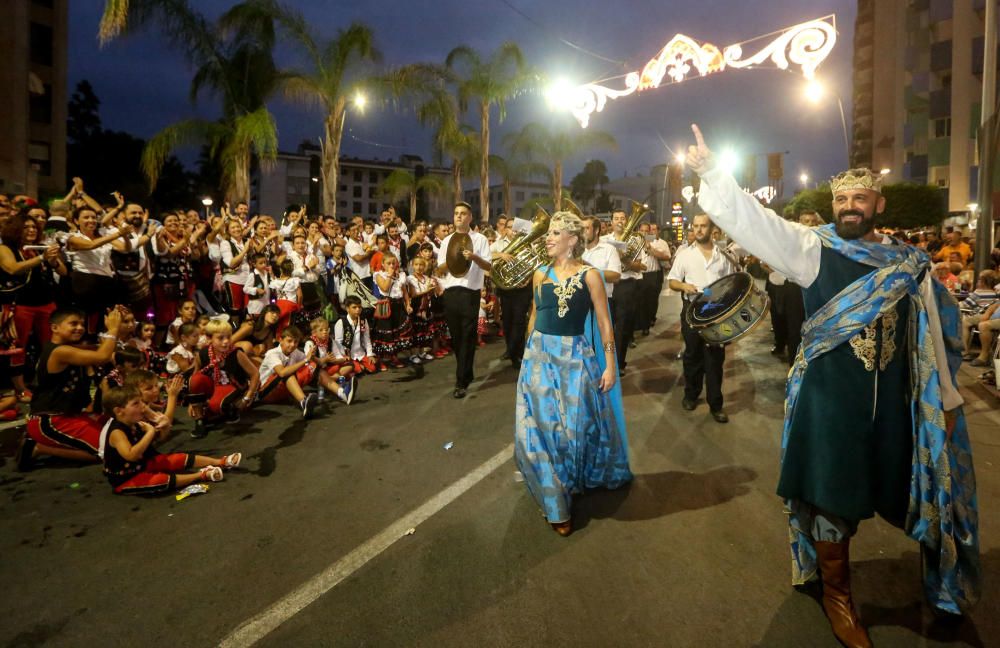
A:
x,y
163,144
302,88
114,19
433,185
398,185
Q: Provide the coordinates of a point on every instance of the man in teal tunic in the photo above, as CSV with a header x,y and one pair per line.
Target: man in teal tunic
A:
x,y
873,420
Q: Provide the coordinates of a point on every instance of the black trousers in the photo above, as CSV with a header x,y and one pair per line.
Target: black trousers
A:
x,y
702,365
515,304
795,315
625,304
461,312
777,310
649,296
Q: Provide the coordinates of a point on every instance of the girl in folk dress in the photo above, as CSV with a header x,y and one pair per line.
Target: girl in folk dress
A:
x,y
422,288
392,329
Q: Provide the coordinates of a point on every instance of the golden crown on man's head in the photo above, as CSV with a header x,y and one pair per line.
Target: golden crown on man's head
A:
x,y
854,179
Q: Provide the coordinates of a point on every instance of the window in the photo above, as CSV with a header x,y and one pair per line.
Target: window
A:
x,y
40,39
371,191
357,176
357,191
342,187
357,208
373,178
372,208
40,106
519,196
342,203
942,127
40,157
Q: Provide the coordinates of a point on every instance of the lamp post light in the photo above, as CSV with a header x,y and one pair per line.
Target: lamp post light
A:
x,y
804,179
208,203
814,92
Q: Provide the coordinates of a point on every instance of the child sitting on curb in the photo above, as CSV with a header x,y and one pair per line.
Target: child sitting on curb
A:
x,y
133,467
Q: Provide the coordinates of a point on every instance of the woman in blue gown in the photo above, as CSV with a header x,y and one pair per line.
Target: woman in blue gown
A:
x,y
569,425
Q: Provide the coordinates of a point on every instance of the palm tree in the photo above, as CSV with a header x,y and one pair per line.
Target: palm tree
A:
x,y
457,141
233,60
337,73
536,142
403,184
486,83
513,170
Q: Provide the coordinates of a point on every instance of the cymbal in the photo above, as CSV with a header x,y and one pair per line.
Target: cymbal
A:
x,y
458,265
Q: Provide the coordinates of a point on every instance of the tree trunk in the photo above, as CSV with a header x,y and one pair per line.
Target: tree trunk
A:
x,y
239,184
456,178
507,202
413,205
333,128
557,185
484,169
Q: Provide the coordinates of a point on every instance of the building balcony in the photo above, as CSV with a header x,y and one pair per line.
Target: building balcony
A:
x,y
941,56
940,104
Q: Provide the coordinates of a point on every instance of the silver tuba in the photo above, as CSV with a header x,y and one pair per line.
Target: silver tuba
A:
x,y
528,251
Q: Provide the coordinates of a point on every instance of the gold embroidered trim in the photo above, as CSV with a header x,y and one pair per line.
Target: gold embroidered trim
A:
x,y
863,344
889,321
564,291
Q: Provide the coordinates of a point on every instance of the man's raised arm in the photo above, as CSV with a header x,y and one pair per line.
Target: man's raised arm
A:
x,y
790,248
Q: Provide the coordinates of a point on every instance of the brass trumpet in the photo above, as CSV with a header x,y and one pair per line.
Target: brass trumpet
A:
x,y
635,242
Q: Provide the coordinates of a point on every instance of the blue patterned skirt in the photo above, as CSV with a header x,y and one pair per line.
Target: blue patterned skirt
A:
x,y
566,438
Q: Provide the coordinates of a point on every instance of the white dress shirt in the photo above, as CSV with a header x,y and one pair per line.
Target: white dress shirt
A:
x,y
361,268
794,250
604,257
474,277
361,345
691,266
626,274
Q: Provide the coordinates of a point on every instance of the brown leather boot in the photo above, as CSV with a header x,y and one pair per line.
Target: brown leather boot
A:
x,y
835,570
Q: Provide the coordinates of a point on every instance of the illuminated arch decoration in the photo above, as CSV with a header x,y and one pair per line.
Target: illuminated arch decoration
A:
x,y
804,46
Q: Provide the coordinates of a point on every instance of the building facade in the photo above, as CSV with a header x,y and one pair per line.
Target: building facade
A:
x,y
296,178
33,48
522,196
918,70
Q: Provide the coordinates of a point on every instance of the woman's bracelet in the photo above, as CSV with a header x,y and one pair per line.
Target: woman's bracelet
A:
x,y
609,347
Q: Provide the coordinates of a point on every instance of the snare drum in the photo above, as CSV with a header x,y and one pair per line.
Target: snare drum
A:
x,y
727,309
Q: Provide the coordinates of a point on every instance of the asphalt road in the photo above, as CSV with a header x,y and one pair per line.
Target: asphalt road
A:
x,y
307,545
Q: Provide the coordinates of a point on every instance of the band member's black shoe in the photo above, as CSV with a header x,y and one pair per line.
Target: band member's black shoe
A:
x,y
720,416
689,404
459,392
199,431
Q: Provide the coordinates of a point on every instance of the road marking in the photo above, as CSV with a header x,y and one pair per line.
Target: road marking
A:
x,y
257,627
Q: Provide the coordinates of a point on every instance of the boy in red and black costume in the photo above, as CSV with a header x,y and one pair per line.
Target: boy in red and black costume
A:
x,y
224,380
133,466
59,426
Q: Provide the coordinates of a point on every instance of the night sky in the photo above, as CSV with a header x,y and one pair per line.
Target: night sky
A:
x,y
143,83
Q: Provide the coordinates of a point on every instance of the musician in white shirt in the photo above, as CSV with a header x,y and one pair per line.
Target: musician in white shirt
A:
x,y
461,296
515,303
625,302
695,267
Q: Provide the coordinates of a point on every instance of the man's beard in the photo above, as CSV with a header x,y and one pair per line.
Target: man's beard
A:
x,y
702,240
854,230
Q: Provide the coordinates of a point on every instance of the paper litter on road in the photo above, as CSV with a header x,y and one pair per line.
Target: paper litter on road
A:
x,y
518,477
448,445
410,531
193,489
75,485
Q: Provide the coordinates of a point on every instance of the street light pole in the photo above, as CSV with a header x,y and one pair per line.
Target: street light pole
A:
x,y
987,153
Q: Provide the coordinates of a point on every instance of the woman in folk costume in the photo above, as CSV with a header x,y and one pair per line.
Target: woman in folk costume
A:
x,y
569,426
873,420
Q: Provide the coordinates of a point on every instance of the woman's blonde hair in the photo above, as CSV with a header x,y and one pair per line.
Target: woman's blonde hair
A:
x,y
571,223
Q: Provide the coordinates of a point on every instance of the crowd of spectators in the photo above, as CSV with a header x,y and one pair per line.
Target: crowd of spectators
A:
x,y
112,319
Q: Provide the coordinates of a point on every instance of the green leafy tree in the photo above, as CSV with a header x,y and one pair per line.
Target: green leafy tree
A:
x,y
339,70
402,184
233,60
538,143
459,142
585,185
485,83
907,205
